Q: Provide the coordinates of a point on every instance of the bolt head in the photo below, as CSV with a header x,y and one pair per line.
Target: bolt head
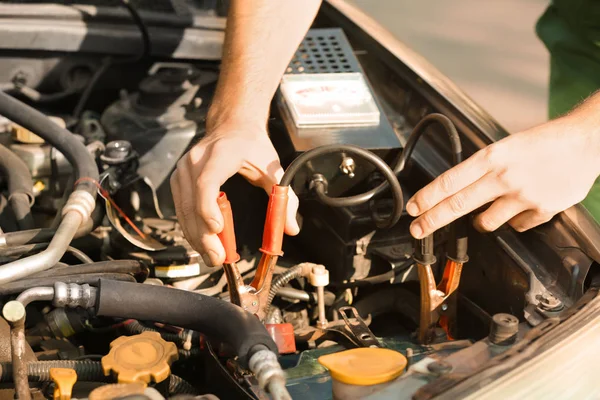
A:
x,y
13,311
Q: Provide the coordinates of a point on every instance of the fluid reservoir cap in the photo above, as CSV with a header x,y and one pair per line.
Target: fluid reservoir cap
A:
x,y
141,358
364,366
117,391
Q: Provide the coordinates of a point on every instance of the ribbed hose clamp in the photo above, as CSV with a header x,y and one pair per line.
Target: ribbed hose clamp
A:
x,y
74,295
82,202
265,366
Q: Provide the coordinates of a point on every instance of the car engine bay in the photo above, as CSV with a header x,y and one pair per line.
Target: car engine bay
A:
x,y
103,297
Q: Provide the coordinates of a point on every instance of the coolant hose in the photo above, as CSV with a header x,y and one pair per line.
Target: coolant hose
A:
x,y
87,371
20,187
213,317
64,141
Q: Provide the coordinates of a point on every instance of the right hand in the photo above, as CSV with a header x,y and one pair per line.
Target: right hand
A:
x,y
226,150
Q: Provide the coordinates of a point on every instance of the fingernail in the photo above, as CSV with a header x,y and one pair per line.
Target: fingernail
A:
x,y
214,225
206,260
412,208
416,230
214,258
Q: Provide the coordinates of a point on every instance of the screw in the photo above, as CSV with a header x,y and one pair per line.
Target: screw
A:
x,y
347,166
549,302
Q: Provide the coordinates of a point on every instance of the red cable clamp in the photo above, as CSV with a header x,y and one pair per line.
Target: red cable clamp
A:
x,y
227,235
275,221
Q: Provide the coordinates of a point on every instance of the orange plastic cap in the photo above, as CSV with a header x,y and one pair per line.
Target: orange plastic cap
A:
x,y
141,358
64,380
227,235
275,221
364,366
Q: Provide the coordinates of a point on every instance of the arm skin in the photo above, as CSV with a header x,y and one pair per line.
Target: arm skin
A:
x,y
526,178
260,39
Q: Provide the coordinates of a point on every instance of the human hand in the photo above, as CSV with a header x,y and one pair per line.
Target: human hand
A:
x,y
527,177
195,184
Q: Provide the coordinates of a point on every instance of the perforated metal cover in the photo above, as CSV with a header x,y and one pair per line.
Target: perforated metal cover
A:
x,y
324,51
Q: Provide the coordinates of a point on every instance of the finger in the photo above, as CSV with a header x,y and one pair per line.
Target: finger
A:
x,y
528,219
447,184
461,203
500,212
216,170
188,226
199,235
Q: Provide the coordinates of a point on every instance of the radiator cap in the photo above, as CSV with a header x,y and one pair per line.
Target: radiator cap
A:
x,y
141,358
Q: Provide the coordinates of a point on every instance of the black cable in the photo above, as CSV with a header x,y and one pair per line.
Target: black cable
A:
x,y
319,186
399,165
109,61
142,27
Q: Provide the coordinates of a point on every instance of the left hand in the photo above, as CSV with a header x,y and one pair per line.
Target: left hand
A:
x,y
527,177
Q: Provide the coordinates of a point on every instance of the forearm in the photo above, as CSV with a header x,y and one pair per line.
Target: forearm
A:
x,y
261,37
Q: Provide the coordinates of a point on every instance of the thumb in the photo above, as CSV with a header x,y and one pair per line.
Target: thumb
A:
x,y
292,227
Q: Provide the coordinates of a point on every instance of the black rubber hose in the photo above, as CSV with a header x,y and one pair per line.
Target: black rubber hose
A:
x,y
64,141
87,371
113,267
91,279
213,317
42,235
20,186
16,251
20,204
356,200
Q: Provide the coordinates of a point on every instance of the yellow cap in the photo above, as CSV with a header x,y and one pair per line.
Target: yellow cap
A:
x,y
141,358
364,366
117,391
64,380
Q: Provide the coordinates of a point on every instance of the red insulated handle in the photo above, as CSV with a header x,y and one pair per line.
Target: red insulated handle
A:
x,y
275,221
227,235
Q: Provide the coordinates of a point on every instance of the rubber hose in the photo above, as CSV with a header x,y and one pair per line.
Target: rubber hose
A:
x,y
87,371
91,279
213,317
113,266
20,205
64,141
42,235
20,186
282,280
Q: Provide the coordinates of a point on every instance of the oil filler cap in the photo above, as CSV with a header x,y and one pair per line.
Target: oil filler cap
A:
x,y
141,358
364,366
